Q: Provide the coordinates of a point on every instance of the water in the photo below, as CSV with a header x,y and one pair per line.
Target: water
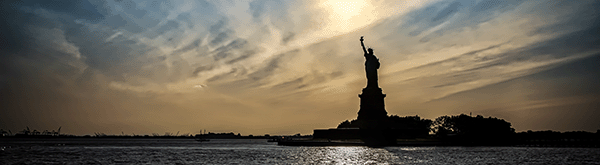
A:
x,y
259,151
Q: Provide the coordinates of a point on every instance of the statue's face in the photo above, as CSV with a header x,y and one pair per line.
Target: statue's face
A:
x,y
370,51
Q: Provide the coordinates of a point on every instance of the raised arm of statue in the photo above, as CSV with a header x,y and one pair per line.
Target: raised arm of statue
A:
x,y
363,44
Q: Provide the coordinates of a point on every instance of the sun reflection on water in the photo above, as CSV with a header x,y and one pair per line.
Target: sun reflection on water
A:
x,y
354,155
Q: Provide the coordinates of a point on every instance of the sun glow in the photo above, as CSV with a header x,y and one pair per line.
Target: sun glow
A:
x,y
349,15
345,9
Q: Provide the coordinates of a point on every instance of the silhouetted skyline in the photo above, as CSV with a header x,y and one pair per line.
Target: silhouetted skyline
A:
x,y
287,67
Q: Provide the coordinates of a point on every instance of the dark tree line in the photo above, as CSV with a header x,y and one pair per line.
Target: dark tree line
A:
x,y
467,130
462,125
465,125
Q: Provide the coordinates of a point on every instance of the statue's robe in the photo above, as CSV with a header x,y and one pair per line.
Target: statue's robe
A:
x,y
371,66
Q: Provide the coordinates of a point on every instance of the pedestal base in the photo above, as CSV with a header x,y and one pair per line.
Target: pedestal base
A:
x,y
372,107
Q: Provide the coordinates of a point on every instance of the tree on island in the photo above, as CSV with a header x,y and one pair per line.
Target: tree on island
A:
x,y
413,122
473,129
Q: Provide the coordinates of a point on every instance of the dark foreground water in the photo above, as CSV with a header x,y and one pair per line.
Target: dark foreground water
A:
x,y
259,151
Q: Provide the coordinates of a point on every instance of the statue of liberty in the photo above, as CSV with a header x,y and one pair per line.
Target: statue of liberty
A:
x,y
371,66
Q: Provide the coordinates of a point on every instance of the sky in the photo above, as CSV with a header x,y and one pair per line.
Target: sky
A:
x,y
286,67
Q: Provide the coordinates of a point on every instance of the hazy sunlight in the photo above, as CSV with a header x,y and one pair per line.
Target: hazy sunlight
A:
x,y
349,15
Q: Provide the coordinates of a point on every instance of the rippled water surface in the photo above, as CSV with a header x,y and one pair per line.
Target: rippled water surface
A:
x,y
259,151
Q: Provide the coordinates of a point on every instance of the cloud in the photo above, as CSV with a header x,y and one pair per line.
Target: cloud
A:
x,y
273,58
455,15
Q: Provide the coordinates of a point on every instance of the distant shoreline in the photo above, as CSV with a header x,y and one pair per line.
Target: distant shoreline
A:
x,y
123,137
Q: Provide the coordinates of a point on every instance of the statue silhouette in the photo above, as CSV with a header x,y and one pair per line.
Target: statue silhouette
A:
x,y
371,65
372,106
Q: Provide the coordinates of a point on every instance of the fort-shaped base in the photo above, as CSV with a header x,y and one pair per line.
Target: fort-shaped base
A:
x,y
372,106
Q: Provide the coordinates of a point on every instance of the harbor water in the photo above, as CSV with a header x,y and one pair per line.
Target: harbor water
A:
x,y
259,151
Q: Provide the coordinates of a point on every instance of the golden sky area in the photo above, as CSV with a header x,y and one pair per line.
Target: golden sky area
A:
x,y
287,67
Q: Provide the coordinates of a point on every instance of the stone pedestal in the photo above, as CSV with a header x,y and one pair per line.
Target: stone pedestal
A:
x,y
372,107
